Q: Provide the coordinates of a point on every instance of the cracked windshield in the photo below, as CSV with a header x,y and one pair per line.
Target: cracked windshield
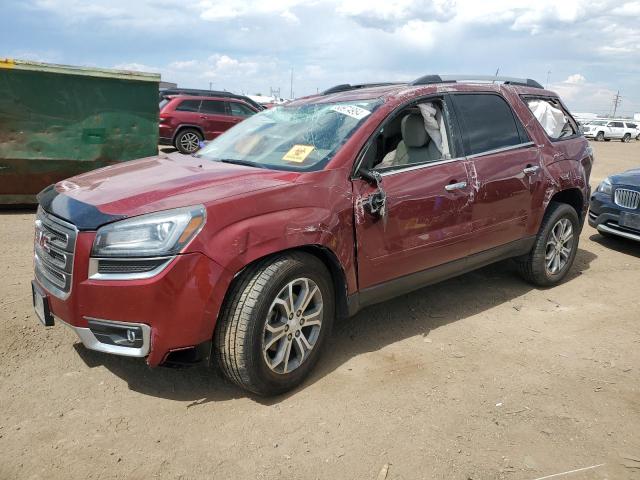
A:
x,y
300,138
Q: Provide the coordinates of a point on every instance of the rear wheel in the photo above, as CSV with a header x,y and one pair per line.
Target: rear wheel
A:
x,y
555,247
188,141
626,138
275,322
600,137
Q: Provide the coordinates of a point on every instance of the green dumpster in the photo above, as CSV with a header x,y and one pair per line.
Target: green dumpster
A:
x,y
57,121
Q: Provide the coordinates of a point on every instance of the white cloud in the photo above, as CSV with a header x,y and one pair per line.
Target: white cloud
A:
x,y
393,14
290,17
254,44
575,79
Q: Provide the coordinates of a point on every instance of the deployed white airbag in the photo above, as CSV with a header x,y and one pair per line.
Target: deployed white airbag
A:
x,y
434,125
552,119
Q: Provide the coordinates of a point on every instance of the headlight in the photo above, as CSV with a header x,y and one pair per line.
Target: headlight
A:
x,y
156,234
605,186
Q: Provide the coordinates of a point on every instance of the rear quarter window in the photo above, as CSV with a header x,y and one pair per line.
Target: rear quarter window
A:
x,y
555,121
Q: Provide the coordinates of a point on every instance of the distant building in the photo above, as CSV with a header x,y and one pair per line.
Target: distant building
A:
x,y
585,116
168,85
636,116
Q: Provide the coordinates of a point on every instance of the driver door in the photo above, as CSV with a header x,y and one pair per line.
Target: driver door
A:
x,y
427,222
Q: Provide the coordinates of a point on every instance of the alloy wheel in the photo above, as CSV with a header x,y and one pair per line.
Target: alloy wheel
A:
x,y
559,246
292,326
189,142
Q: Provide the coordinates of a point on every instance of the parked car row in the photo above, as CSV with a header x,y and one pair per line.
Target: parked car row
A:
x,y
187,120
605,130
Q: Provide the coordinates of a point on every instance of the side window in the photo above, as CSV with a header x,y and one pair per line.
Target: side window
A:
x,y
632,125
617,124
487,122
415,135
552,117
188,106
240,110
213,106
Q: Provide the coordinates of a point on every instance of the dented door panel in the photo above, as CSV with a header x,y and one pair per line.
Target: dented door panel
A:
x,y
424,224
504,192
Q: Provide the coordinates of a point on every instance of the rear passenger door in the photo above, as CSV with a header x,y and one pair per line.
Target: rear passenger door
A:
x,y
616,129
506,166
187,112
215,118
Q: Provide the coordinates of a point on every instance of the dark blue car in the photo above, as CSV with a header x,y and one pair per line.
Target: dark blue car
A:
x,y
615,205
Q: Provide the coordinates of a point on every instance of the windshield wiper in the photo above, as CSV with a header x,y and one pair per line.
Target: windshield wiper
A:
x,y
246,163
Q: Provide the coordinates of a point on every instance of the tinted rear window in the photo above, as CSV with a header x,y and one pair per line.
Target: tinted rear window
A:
x,y
188,106
487,122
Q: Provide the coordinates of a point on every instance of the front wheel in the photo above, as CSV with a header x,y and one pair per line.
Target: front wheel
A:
x,y
626,138
275,322
600,137
555,247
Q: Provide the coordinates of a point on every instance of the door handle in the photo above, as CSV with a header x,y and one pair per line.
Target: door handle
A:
x,y
531,170
204,116
455,186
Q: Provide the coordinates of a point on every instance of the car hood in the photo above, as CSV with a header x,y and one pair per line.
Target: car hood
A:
x,y
630,177
152,184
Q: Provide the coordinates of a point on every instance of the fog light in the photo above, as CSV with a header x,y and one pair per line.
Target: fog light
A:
x,y
112,333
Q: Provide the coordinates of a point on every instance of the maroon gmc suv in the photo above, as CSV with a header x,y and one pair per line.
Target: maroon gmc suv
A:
x,y
187,120
246,252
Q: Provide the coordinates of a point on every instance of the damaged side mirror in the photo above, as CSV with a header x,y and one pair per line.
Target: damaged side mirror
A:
x,y
375,203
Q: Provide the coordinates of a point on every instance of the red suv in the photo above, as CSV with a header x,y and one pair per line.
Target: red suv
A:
x,y
186,120
247,251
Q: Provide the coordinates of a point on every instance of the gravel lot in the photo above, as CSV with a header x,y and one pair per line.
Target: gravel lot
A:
x,y
479,377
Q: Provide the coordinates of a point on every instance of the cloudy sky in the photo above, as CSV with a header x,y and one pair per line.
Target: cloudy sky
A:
x,y
591,48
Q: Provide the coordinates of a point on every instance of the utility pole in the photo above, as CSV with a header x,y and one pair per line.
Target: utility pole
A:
x,y
617,100
291,94
548,76
210,84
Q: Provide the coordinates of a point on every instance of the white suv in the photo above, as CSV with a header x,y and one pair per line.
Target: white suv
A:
x,y
611,129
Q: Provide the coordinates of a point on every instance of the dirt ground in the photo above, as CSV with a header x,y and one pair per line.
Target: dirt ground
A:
x,y
479,377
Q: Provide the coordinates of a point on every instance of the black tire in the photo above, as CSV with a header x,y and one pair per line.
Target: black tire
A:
x,y
600,137
626,138
239,335
184,141
533,266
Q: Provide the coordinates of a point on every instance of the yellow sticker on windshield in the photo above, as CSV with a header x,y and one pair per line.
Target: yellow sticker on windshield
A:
x,y
298,153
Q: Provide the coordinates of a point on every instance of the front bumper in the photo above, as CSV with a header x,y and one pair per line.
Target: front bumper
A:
x,y
98,342
172,311
604,215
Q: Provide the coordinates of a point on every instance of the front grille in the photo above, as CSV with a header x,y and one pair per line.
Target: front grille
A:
x,y
54,245
627,198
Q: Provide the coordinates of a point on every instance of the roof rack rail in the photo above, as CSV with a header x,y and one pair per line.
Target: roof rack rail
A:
x,y
345,87
196,92
433,79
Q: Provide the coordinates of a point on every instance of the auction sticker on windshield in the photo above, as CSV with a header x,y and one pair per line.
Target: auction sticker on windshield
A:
x,y
298,153
352,111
